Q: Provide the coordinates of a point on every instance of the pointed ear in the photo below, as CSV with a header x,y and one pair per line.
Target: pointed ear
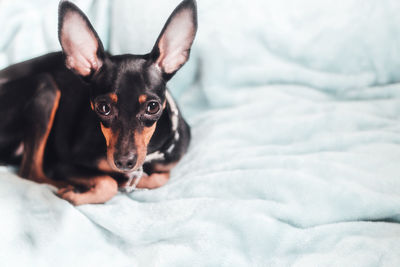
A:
x,y
84,52
172,48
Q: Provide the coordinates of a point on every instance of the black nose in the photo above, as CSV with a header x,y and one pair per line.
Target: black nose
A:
x,y
125,163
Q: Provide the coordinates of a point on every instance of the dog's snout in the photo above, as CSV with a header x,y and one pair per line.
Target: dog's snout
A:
x,y
125,163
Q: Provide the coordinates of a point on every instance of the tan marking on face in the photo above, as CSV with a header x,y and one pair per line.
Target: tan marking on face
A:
x,y
142,99
148,133
164,104
107,133
113,97
142,139
111,140
91,105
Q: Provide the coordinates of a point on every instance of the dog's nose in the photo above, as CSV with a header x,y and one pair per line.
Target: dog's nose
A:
x,y
125,163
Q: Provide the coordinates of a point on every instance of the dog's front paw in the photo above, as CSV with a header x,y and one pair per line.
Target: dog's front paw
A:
x,y
69,194
153,181
96,191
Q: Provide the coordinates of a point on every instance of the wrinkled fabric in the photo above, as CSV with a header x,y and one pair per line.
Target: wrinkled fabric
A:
x,y
294,160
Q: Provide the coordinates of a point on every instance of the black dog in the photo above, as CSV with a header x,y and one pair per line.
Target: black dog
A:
x,y
102,122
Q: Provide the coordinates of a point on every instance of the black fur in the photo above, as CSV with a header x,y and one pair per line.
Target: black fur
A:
x,y
76,143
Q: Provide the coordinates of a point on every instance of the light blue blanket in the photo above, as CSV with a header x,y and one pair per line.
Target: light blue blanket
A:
x,y
295,156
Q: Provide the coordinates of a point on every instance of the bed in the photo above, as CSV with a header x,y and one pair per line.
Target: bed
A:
x,y
295,156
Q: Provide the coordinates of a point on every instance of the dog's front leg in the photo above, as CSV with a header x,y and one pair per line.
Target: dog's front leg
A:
x,y
39,119
98,190
154,180
160,174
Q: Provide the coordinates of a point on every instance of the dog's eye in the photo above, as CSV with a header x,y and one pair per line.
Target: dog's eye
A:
x,y
152,108
103,108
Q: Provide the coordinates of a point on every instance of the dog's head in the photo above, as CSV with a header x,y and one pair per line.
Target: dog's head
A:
x,y
128,91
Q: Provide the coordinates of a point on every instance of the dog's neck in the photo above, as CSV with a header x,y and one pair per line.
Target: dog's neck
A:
x,y
173,114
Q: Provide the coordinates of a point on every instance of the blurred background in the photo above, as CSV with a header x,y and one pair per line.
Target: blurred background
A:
x,y
334,46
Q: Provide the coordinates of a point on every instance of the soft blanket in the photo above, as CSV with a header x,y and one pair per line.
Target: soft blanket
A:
x,y
294,161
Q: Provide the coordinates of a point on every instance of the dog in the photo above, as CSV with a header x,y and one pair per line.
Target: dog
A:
x,y
91,123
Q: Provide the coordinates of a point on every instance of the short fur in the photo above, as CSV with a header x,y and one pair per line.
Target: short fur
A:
x,y
83,120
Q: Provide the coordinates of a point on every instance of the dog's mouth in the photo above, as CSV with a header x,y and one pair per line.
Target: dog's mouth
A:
x,y
133,175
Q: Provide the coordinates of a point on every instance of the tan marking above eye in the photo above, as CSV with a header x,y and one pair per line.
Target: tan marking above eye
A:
x,y
113,97
142,99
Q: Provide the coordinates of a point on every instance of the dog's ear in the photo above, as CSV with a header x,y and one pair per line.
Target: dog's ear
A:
x,y
172,48
83,50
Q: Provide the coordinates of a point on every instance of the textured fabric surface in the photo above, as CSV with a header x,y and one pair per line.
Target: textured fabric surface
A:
x,y
294,161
